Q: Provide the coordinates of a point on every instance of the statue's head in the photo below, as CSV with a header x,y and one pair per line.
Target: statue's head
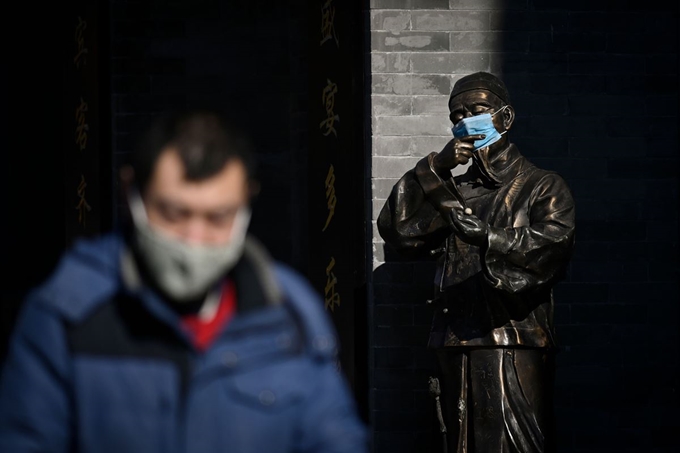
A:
x,y
480,93
481,81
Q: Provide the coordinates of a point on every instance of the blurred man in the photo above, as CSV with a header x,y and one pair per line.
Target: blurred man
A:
x,y
504,232
180,334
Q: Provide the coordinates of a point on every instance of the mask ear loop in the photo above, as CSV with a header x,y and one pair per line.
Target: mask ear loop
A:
x,y
498,111
241,222
136,205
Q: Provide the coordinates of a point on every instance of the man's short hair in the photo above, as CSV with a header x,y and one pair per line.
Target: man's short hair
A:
x,y
204,140
481,81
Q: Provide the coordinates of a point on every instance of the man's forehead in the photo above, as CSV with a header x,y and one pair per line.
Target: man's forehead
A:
x,y
169,180
170,165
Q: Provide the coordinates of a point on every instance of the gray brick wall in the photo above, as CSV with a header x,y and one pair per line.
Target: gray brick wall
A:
x,y
595,87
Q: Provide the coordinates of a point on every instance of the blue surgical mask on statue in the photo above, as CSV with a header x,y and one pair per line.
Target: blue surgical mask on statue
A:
x,y
478,125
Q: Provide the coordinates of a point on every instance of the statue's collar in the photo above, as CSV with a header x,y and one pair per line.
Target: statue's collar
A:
x,y
503,166
506,163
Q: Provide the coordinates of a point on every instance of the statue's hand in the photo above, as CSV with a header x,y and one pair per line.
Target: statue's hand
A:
x,y
469,228
456,152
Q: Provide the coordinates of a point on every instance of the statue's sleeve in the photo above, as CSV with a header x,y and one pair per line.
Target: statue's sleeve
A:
x,y
528,257
413,219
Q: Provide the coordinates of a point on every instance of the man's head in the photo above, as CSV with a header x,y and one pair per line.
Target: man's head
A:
x,y
480,93
193,173
188,189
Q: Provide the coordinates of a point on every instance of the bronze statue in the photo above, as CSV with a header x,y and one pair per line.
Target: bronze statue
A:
x,y
503,232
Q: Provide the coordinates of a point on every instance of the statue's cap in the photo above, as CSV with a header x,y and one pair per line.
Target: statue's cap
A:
x,y
481,81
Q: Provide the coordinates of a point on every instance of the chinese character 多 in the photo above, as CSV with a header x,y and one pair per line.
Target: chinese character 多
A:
x,y
331,199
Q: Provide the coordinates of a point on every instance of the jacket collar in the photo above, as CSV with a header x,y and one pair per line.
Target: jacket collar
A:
x,y
504,167
253,276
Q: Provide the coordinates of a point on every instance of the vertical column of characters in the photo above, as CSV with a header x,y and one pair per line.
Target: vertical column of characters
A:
x,y
330,45
81,121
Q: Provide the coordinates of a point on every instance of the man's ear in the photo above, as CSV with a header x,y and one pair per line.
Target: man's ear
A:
x,y
253,188
127,178
508,117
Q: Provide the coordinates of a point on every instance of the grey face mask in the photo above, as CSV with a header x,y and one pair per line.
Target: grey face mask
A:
x,y
184,271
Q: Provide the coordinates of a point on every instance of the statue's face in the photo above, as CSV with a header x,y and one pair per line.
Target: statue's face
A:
x,y
476,102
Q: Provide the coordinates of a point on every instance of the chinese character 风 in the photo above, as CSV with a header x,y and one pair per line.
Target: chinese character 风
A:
x,y
328,23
